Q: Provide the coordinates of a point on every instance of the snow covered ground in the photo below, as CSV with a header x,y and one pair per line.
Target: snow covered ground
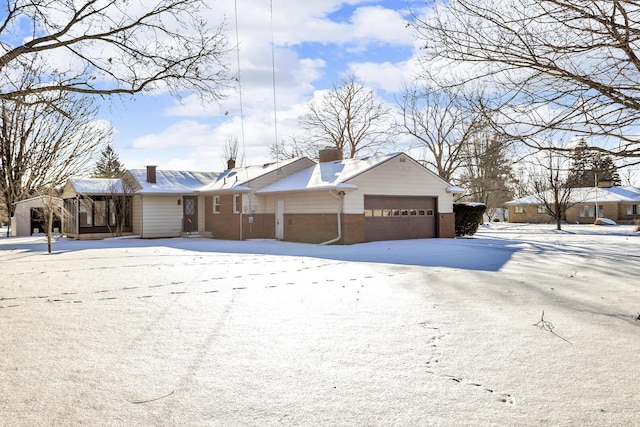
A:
x,y
425,332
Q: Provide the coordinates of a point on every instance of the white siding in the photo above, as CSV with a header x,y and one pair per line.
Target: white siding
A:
x,y
136,220
399,179
304,203
161,216
201,213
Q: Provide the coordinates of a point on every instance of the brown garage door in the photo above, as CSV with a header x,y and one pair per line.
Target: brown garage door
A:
x,y
399,217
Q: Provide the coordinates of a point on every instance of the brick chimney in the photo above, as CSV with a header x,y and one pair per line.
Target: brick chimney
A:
x,y
151,174
231,164
329,154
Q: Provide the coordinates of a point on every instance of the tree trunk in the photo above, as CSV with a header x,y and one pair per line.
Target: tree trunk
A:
x,y
49,228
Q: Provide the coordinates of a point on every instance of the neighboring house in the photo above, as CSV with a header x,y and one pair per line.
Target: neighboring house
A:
x,y
334,201
620,204
28,216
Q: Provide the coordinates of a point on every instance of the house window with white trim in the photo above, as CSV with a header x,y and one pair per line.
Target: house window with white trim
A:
x,y
237,203
588,211
216,204
518,209
632,209
541,209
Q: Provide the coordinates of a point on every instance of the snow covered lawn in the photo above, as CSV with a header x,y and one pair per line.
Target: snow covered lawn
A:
x,y
425,332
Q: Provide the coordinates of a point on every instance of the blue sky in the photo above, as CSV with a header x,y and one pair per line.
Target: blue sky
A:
x,y
316,44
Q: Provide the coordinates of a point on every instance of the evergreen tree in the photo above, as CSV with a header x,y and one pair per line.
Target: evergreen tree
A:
x,y
487,174
587,167
108,166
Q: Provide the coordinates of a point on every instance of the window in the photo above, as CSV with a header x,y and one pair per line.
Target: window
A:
x,y
100,213
518,209
632,209
588,211
216,204
429,212
237,203
541,209
113,219
86,213
368,212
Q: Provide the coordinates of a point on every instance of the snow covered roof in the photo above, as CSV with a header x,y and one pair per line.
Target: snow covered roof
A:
x,y
328,175
590,195
96,186
455,189
236,179
172,182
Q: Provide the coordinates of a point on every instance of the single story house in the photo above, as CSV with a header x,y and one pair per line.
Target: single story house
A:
x,y
28,218
335,200
620,204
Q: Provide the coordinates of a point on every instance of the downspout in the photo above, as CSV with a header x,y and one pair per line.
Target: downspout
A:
x,y
340,197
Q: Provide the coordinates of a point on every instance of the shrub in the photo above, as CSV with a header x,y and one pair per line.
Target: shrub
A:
x,y
496,219
468,217
637,224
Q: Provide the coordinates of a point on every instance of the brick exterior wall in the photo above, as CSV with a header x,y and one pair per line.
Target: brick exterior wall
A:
x,y
530,214
446,225
318,228
263,226
614,211
226,224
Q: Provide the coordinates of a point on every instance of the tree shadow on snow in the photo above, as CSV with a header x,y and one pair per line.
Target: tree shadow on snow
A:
x,y
470,254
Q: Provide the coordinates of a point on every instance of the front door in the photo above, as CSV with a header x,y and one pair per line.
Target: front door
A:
x,y
190,213
280,219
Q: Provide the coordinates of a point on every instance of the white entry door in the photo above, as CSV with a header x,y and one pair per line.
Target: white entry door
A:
x,y
280,219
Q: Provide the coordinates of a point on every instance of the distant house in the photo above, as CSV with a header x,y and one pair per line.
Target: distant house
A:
x,y
333,201
620,204
28,217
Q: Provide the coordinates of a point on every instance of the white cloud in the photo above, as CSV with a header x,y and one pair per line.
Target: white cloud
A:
x,y
181,134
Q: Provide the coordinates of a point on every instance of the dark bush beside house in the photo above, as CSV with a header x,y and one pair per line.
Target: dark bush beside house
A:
x,y
468,217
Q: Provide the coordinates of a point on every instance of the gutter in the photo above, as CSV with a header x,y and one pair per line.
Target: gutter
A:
x,y
340,197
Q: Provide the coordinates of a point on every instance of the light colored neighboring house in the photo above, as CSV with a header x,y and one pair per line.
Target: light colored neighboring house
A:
x,y
382,197
620,204
27,218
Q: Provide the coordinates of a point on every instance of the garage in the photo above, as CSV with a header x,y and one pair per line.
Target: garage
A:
x,y
399,217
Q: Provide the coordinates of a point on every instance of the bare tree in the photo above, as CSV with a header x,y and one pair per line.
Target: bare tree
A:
x,y
553,185
41,146
50,211
487,173
565,65
231,150
120,205
348,117
291,147
442,123
109,47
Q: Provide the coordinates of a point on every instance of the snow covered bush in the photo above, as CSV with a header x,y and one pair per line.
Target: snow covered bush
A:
x,y
468,217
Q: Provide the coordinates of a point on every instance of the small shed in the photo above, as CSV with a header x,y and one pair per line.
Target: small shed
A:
x,y
28,218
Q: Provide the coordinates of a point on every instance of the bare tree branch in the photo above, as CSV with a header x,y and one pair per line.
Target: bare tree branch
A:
x,y
111,47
